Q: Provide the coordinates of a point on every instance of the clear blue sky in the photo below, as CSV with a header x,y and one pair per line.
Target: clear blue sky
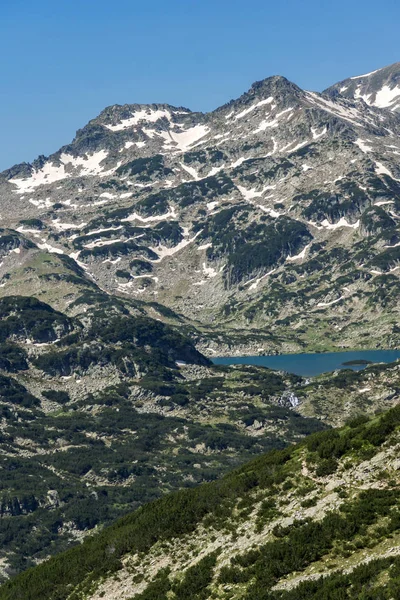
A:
x,y
63,61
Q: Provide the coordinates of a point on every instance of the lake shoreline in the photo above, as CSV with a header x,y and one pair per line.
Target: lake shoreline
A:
x,y
224,350
312,364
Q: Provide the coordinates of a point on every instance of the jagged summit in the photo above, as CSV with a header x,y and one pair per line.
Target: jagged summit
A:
x,y
212,213
163,127
380,88
277,84
277,87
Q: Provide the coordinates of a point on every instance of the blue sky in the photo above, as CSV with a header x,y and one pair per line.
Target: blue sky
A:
x,y
63,62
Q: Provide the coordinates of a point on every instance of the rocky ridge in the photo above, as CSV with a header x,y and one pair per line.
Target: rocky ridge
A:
x,y
379,88
270,224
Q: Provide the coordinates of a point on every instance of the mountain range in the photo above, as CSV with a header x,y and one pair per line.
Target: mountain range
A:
x,y
269,224
157,239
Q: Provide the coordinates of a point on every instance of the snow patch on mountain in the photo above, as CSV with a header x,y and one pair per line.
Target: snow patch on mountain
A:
x,y
171,214
65,226
255,285
251,108
49,248
209,271
386,96
164,251
382,170
50,172
185,139
271,124
362,144
191,170
248,194
366,75
349,113
341,223
317,135
323,304
301,254
145,115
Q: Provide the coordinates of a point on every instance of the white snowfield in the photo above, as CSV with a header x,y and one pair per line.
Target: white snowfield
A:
x,y
358,95
366,75
246,111
322,304
191,170
341,223
146,115
386,97
90,164
301,254
209,271
363,145
171,214
163,251
248,194
298,146
254,285
316,135
98,243
384,202
128,145
49,248
65,226
272,123
97,231
212,205
382,170
182,141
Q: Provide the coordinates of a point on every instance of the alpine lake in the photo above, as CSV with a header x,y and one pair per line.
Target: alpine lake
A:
x,y
310,365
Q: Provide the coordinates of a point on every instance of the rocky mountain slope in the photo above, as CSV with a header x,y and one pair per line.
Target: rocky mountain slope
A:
x,y
106,404
104,407
380,88
269,224
160,237
316,520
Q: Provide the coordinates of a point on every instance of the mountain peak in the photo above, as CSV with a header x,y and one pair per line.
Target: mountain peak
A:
x,y
274,80
277,86
283,92
380,88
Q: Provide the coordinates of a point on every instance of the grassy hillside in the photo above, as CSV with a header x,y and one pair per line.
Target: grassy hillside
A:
x,y
319,519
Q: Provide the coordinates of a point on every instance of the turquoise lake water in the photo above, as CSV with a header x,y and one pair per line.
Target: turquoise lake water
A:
x,y
309,365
